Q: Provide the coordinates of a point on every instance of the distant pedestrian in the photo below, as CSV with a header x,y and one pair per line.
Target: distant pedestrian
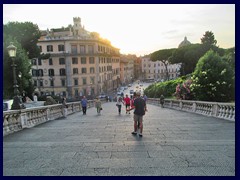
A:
x,y
84,102
145,98
139,112
98,105
64,106
162,100
119,104
127,102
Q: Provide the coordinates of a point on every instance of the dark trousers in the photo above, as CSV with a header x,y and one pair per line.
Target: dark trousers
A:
x,y
84,109
119,108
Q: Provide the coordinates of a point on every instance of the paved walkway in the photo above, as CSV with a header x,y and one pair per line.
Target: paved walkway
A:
x,y
174,143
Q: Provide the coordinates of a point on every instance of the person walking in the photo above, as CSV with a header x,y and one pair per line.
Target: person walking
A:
x,y
145,98
139,112
84,105
162,100
119,104
64,107
127,101
98,105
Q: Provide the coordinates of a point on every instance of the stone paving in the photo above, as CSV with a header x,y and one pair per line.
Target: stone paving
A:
x,y
174,143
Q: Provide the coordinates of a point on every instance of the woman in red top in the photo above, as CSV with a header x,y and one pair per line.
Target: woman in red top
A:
x,y
127,103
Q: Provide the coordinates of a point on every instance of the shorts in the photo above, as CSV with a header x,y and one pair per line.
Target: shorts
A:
x,y
137,118
127,105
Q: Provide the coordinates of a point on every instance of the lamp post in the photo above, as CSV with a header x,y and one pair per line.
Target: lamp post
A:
x,y
91,92
12,54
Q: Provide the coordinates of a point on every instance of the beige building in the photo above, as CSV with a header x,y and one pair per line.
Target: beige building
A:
x,y
126,70
157,70
80,63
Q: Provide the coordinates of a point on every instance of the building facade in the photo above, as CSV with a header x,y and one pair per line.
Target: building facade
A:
x,y
80,63
157,70
126,70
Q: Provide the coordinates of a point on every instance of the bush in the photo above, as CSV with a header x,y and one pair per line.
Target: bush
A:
x,y
166,88
213,79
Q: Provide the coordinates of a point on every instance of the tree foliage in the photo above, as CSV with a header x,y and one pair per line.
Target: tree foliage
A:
x,y
22,65
208,39
213,79
27,34
166,88
25,37
188,56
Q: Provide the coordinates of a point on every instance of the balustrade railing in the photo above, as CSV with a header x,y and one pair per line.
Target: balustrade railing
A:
x,y
16,120
214,109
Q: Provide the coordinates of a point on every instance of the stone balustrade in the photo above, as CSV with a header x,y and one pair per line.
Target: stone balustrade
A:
x,y
16,120
215,109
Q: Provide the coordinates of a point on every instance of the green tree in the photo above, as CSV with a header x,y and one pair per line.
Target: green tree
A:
x,y
213,79
27,34
188,56
25,37
23,66
164,56
208,40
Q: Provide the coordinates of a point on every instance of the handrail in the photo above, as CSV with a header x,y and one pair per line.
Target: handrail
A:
x,y
16,120
215,109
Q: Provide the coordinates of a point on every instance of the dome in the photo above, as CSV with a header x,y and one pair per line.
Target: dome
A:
x,y
185,42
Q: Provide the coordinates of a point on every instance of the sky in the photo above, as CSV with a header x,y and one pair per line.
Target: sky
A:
x,y
137,29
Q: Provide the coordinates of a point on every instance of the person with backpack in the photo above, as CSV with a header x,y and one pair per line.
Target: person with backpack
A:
x,y
84,105
139,111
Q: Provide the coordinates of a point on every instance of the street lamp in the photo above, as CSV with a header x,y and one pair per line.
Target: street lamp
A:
x,y
12,54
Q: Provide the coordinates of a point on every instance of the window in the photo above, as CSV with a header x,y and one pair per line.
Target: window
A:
x,y
92,70
84,70
75,82
76,92
82,49
92,80
91,60
75,70
35,82
51,72
49,48
40,48
74,60
39,62
61,47
34,73
40,72
83,60
63,82
41,82
61,61
84,91
50,61
84,80
34,61
74,49
51,82
90,49
62,72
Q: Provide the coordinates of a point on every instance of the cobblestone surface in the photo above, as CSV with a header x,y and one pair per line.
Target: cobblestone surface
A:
x,y
174,143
